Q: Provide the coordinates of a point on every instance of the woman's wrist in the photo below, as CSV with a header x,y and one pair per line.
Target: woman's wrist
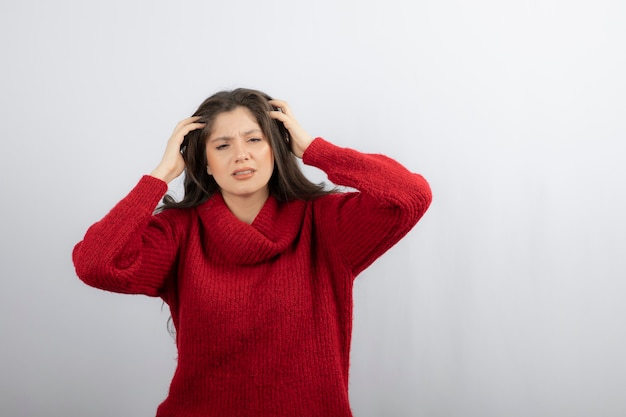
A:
x,y
162,175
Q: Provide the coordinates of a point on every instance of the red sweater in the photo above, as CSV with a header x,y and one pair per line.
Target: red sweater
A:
x,y
263,312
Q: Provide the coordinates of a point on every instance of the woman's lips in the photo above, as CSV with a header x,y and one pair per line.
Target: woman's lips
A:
x,y
243,173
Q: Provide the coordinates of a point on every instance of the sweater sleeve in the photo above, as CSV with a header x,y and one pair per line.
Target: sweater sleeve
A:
x,y
130,250
388,202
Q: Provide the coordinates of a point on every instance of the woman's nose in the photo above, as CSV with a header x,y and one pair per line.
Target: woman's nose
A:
x,y
241,152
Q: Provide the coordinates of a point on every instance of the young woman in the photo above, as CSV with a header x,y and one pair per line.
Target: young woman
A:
x,y
255,262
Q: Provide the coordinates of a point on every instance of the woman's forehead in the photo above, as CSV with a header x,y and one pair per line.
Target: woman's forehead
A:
x,y
237,122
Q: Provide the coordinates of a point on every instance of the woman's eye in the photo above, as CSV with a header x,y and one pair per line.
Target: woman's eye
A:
x,y
254,140
222,146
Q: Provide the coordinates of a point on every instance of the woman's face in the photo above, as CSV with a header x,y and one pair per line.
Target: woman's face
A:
x,y
239,156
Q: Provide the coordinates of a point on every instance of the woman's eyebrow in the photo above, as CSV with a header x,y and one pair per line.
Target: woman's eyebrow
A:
x,y
227,138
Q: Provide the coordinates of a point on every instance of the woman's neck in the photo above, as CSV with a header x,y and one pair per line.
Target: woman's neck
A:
x,y
245,208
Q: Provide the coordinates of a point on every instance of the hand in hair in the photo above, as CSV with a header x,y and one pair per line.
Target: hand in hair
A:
x,y
172,163
300,139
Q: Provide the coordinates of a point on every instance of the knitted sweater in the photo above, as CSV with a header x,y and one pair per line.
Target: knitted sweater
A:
x,y
263,312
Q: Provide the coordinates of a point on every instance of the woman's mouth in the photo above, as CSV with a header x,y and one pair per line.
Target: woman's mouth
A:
x,y
243,173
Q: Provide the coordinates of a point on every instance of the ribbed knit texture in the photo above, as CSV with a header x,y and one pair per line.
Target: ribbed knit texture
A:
x,y
263,312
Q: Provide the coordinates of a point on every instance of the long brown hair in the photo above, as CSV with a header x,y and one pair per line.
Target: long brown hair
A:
x,y
287,182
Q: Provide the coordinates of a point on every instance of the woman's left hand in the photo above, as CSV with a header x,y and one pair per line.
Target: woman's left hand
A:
x,y
300,139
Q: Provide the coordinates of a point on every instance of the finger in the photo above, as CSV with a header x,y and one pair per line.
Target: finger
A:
x,y
278,115
187,121
185,129
282,105
193,126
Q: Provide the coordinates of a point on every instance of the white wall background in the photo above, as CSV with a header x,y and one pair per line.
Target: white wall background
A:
x,y
508,299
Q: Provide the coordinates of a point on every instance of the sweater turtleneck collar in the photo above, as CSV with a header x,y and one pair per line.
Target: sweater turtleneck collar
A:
x,y
273,230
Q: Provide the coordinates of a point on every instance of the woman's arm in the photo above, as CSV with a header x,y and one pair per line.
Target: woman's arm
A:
x,y
130,250
389,202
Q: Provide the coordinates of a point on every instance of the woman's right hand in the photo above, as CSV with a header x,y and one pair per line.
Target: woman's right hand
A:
x,y
172,164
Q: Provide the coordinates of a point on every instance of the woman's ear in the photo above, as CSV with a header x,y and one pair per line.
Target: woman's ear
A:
x,y
208,170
